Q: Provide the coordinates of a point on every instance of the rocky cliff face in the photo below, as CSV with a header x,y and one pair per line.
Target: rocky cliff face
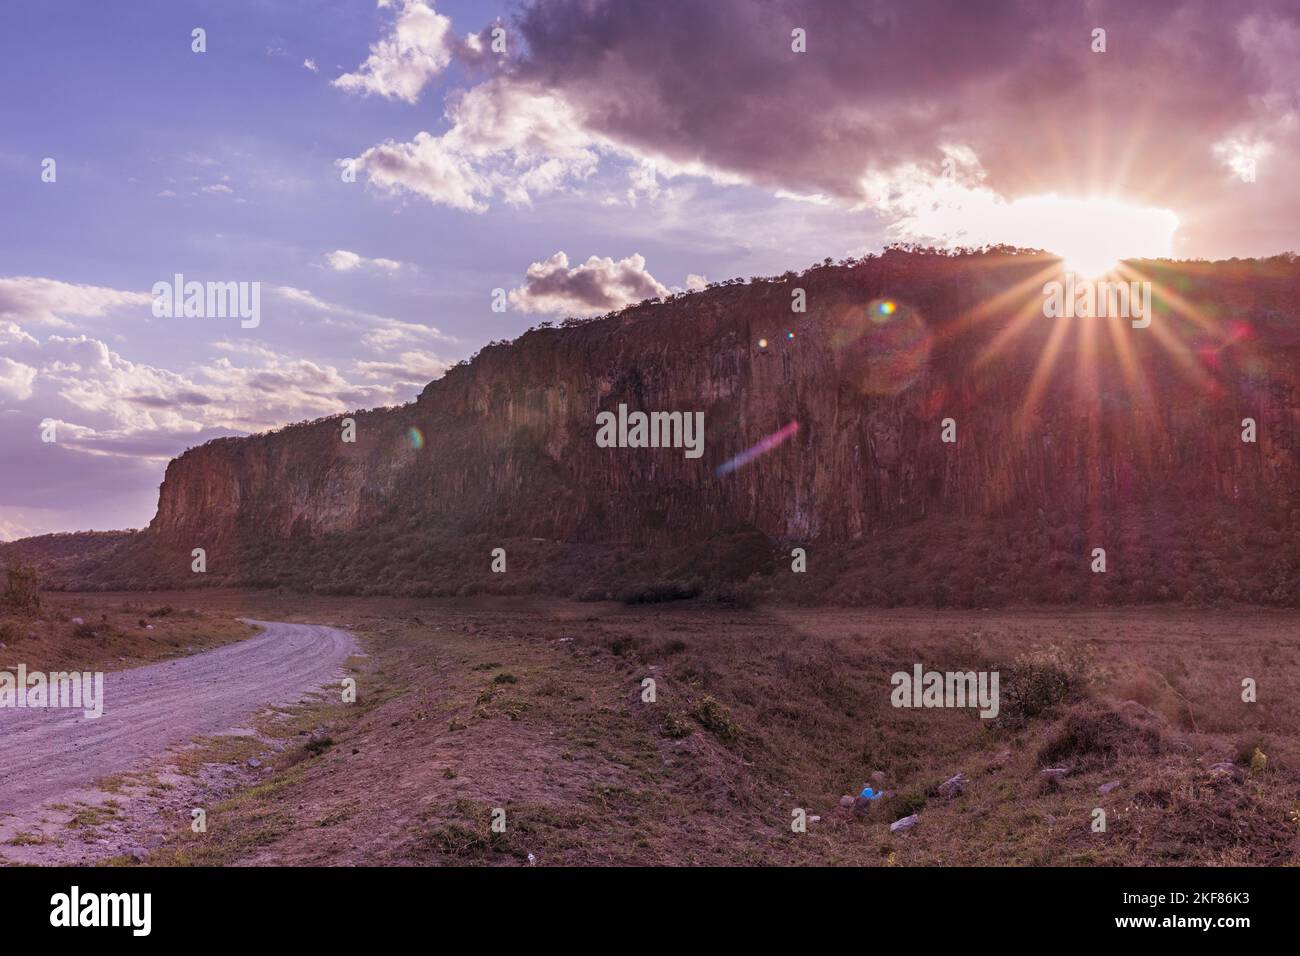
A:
x,y
1074,425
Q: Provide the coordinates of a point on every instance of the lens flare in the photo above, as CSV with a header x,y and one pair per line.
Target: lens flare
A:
x,y
761,448
416,437
880,349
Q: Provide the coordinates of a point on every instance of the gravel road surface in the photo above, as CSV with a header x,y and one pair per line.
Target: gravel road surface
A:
x,y
44,752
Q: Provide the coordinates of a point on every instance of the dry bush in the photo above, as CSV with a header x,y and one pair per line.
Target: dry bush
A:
x,y
1038,681
1093,736
22,587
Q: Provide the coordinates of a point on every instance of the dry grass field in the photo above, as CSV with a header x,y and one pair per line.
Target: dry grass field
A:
x,y
91,633
536,707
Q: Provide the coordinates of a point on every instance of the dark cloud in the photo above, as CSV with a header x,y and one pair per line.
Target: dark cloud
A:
x,y
887,83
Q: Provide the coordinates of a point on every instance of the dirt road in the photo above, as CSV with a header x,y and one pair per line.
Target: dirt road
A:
x,y
45,752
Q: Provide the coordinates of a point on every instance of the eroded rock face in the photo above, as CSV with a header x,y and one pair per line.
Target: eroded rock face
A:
x,y
1121,416
1067,431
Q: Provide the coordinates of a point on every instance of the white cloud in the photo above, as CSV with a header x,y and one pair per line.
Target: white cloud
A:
x,y
817,199
341,260
427,167
597,285
395,334
380,332
45,301
108,404
505,139
959,210
416,49
515,141
15,379
310,64
12,335
1241,156
418,367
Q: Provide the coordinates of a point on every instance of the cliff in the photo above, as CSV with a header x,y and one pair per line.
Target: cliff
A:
x,y
1070,434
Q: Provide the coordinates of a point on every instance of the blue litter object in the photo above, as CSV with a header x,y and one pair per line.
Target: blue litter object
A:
x,y
870,794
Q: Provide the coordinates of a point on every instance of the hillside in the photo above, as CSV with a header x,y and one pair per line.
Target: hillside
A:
x,y
1127,439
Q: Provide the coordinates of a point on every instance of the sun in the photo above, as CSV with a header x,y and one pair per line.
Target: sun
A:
x,y
1093,235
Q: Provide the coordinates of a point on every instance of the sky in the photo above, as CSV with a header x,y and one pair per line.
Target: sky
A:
x,y
382,170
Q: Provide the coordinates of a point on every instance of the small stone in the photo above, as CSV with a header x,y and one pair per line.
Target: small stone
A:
x,y
78,621
903,825
878,776
953,787
254,762
138,853
846,801
1106,788
814,819
1055,773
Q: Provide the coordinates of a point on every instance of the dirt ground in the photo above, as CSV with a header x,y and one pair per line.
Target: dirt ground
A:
x,y
533,713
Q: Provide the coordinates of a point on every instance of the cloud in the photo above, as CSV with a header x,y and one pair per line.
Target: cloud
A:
x,y
310,64
112,405
677,88
410,367
12,335
817,199
504,139
416,49
598,285
395,334
1014,82
341,260
39,301
426,167
379,332
15,379
960,210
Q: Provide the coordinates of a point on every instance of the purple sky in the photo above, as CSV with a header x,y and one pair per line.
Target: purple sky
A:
x,y
613,152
